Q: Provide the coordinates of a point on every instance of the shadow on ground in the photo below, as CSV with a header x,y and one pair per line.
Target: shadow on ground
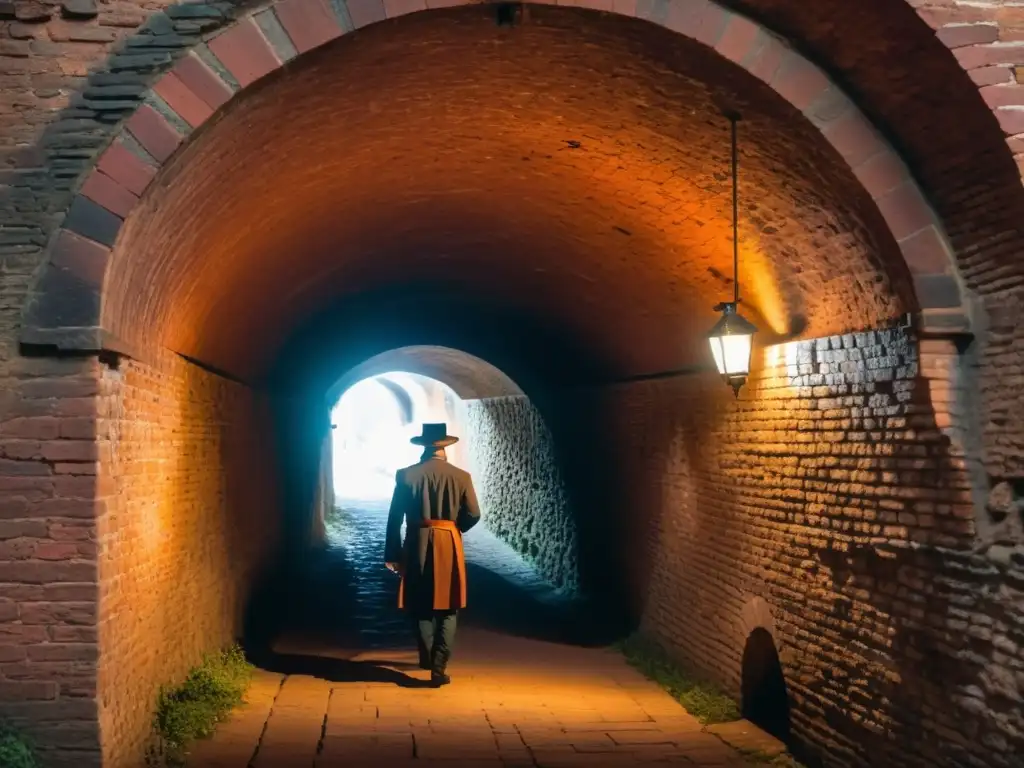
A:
x,y
337,670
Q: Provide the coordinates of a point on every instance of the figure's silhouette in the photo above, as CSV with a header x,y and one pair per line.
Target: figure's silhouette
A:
x,y
438,503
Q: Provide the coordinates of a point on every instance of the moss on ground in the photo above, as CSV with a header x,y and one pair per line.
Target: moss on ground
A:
x,y
192,710
705,701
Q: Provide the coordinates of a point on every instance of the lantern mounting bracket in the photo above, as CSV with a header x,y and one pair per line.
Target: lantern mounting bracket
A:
x,y
726,306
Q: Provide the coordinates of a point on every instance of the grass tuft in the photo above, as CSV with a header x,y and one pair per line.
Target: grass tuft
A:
x,y
704,700
192,710
15,749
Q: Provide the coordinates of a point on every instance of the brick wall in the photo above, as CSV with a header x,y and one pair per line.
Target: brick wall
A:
x,y
519,484
48,557
190,517
829,506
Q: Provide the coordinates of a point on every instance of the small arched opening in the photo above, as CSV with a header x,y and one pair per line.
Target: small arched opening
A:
x,y
765,698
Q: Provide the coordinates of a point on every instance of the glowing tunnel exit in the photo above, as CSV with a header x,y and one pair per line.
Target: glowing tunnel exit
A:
x,y
373,421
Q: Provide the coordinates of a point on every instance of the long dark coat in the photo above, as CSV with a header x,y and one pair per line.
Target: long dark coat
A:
x,y
438,504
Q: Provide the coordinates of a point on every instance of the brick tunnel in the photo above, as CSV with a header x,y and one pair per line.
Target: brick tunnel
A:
x,y
214,213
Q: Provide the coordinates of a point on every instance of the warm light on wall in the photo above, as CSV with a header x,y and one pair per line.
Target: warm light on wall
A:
x,y
732,337
782,354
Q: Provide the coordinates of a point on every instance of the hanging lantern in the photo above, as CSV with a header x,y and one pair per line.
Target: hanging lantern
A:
x,y
733,336
731,343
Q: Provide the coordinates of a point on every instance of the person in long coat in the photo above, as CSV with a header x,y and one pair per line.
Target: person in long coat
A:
x,y
438,504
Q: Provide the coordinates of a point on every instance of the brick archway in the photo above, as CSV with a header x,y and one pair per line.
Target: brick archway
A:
x,y
65,310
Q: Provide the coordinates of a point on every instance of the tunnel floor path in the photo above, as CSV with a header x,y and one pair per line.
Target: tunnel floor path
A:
x,y
533,682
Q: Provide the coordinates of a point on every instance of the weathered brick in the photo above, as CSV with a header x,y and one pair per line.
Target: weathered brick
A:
x,y
308,24
64,32
905,211
8,610
69,450
54,550
8,467
975,56
27,690
13,653
92,221
63,652
75,508
106,192
245,52
84,258
738,39
52,613
127,168
84,634
395,8
78,428
925,252
40,572
14,529
959,35
179,97
62,387
798,81
21,635
39,428
60,711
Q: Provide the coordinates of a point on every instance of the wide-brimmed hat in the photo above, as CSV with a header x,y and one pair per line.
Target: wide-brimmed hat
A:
x,y
434,436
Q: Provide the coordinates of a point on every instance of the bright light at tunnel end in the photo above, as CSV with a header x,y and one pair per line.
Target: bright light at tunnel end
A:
x,y
372,432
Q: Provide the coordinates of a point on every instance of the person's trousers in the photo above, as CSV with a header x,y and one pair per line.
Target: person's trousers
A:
x,y
435,638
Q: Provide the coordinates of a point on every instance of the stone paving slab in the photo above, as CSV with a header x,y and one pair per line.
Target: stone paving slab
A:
x,y
514,703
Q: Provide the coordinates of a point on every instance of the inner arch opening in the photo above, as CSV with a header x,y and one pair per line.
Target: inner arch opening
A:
x,y
522,559
764,695
373,422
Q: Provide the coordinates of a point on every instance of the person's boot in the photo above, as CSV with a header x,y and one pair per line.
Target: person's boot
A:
x,y
425,662
439,678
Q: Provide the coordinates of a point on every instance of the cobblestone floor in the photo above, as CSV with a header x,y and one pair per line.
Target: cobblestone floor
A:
x,y
341,688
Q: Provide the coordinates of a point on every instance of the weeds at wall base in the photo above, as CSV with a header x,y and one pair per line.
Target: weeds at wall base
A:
x,y
191,711
772,761
704,700
16,751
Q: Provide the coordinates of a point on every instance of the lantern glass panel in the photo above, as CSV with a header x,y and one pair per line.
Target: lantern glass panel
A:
x,y
736,355
719,355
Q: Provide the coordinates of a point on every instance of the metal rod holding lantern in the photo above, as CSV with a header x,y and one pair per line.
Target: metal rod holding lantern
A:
x,y
732,337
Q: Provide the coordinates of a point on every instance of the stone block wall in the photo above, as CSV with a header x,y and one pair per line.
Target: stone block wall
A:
x,y
827,507
189,518
520,486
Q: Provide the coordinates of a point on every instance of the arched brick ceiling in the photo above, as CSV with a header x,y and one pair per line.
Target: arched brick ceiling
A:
x,y
468,376
573,171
